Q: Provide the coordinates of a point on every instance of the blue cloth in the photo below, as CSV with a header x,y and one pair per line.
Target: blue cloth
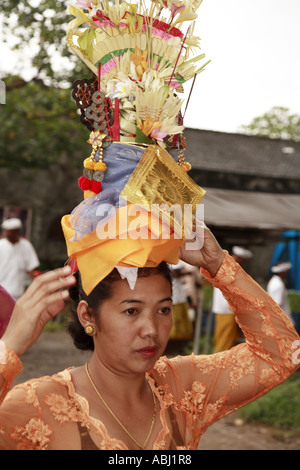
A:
x,y
121,160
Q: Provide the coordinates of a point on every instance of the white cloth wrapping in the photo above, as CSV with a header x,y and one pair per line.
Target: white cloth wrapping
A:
x,y
277,290
129,273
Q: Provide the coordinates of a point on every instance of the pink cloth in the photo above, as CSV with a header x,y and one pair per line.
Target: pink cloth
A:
x,y
7,303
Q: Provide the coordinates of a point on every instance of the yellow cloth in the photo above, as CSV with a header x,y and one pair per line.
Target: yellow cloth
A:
x,y
97,257
225,332
182,328
157,181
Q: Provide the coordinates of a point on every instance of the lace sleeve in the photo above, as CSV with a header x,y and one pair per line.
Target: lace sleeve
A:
x,y
268,331
217,384
22,426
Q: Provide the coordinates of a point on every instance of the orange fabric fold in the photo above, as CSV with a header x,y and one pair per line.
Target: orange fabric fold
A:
x,y
132,237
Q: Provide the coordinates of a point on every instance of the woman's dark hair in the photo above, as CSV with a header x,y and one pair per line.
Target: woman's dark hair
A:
x,y
100,293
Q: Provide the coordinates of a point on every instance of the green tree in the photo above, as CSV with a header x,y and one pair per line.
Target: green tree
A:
x,y
40,126
278,123
39,122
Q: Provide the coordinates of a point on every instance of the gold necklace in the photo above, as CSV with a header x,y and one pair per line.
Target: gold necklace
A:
x,y
141,446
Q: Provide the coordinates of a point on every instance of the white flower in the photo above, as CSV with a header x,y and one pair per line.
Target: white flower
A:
x,y
119,88
83,4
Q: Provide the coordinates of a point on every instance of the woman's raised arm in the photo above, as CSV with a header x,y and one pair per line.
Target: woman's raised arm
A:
x,y
43,300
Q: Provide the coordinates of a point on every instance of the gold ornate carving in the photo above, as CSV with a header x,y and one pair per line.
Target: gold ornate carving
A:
x,y
159,185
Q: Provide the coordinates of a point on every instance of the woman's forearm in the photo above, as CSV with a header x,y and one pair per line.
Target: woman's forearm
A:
x,y
267,329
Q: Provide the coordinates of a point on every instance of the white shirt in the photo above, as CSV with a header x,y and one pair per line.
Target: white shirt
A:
x,y
15,261
179,296
219,303
277,290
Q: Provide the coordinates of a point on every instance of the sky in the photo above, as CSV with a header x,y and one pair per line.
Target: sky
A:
x,y
254,48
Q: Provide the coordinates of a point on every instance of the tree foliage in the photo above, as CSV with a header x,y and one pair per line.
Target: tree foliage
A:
x,y
40,126
38,123
278,123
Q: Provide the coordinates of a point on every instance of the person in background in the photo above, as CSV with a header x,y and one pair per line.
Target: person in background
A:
x,y
182,329
18,258
226,329
192,285
276,287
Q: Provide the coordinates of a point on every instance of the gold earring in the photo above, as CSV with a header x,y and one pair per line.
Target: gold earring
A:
x,y
89,330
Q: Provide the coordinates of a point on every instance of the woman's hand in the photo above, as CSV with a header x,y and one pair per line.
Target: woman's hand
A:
x,y
205,251
43,300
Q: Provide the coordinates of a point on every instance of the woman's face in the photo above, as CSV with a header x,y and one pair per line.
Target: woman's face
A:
x,y
134,325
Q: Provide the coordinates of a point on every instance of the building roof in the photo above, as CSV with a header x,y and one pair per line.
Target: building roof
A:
x,y
249,209
242,154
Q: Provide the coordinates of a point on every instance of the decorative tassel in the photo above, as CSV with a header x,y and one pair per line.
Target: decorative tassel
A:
x,y
96,186
186,166
84,183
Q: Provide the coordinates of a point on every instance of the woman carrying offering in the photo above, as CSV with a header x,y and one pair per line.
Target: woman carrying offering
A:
x,y
128,396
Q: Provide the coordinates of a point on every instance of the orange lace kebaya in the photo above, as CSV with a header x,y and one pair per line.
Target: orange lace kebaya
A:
x,y
192,391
